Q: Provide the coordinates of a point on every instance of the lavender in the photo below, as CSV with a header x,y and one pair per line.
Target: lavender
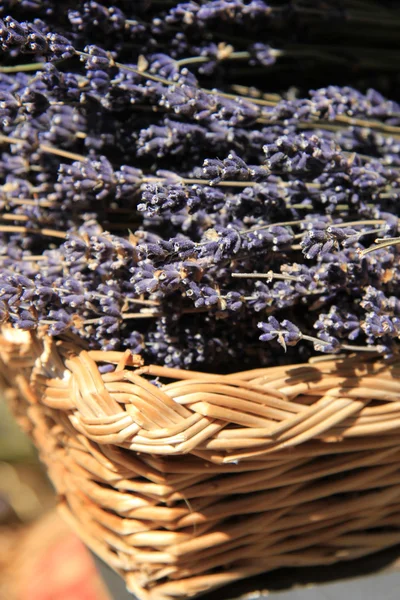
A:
x,y
33,38
150,200
286,333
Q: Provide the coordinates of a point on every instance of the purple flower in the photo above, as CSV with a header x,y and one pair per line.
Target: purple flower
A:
x,y
285,333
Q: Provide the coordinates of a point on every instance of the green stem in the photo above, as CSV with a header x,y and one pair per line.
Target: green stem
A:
x,y
387,244
269,276
349,347
191,60
45,148
38,66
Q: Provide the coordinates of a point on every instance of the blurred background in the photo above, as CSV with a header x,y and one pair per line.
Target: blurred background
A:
x,y
40,559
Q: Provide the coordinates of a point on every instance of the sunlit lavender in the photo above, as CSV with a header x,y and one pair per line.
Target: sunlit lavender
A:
x,y
166,189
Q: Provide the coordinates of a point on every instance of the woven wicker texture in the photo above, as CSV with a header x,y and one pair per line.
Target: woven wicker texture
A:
x,y
205,479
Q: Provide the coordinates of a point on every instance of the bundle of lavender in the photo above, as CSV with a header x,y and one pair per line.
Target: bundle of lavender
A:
x,y
165,188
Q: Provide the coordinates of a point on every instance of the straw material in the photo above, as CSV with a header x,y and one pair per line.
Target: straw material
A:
x,y
204,479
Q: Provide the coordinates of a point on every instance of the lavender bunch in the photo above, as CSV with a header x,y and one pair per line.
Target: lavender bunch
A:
x,y
151,200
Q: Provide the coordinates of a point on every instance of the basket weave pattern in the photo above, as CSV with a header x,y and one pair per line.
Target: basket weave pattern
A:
x,y
205,478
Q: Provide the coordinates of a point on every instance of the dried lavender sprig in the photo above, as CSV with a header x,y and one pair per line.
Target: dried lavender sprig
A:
x,y
288,334
213,295
137,71
96,321
155,179
313,115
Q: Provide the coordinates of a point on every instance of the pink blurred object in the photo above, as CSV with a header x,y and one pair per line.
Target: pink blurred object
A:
x,y
64,571
46,561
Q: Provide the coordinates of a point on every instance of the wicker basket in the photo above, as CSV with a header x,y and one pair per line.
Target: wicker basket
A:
x,y
205,479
